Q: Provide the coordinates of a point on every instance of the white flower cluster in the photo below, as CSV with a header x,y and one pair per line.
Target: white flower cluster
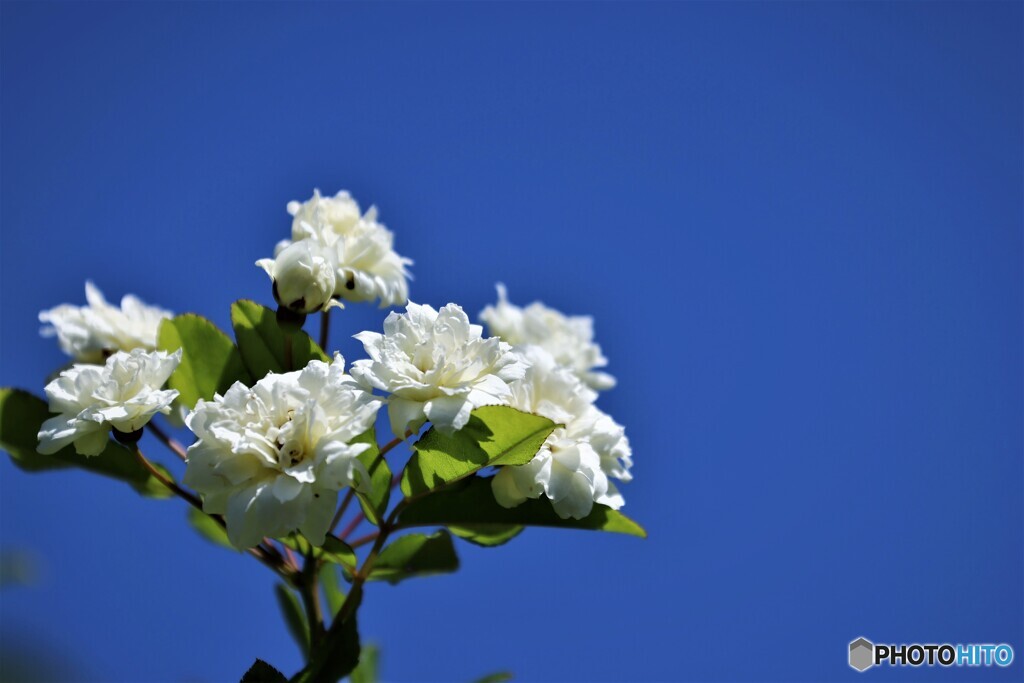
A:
x,y
272,458
90,333
575,465
569,339
123,394
336,252
436,366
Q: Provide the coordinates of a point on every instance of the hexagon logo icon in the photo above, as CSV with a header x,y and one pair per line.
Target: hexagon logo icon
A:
x,y
862,654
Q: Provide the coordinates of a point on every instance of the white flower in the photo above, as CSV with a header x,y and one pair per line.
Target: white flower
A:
x,y
124,393
575,463
367,268
568,338
436,366
303,276
338,214
90,333
272,458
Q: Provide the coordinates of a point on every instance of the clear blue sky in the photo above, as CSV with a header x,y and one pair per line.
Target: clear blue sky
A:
x,y
799,229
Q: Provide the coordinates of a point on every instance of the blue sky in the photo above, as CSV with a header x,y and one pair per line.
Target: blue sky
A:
x,y
798,228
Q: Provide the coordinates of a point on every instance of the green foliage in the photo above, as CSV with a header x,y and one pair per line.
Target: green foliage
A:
x,y
497,677
375,502
261,341
334,550
336,656
486,535
261,672
495,435
332,587
210,362
208,528
472,503
294,616
367,671
21,416
415,555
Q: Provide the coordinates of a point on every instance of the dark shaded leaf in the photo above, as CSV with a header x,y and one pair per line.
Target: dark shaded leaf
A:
x,y
294,616
472,503
486,535
21,416
333,550
261,672
415,555
261,341
209,529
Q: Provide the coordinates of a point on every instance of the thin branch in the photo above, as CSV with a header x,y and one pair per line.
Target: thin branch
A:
x,y
341,510
261,554
351,526
363,540
170,442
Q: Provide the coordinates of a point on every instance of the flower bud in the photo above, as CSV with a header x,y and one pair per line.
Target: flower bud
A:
x,y
303,276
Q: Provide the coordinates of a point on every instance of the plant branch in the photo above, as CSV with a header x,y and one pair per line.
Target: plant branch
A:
x,y
167,440
309,591
363,540
325,328
260,553
341,510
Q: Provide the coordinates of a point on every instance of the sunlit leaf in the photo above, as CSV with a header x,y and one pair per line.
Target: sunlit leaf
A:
x,y
210,362
495,435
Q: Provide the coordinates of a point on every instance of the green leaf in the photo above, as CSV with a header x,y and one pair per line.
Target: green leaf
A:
x,y
261,672
415,555
210,362
497,677
367,671
332,588
374,503
472,503
337,655
494,435
487,535
261,341
21,416
209,529
294,616
334,550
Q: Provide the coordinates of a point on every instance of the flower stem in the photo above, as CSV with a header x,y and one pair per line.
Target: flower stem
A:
x,y
276,563
363,540
341,510
173,444
288,352
309,591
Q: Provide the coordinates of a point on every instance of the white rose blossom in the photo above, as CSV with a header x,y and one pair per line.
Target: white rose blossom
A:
x,y
303,277
272,458
569,339
436,366
361,249
124,394
574,465
90,333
